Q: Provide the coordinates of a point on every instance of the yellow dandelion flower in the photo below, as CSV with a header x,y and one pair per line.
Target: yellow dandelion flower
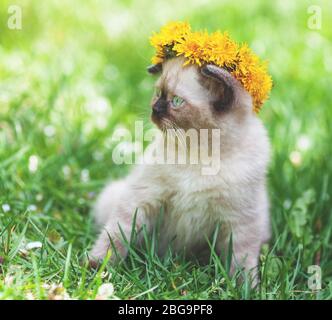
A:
x,y
157,59
258,83
191,47
247,59
221,50
168,35
177,39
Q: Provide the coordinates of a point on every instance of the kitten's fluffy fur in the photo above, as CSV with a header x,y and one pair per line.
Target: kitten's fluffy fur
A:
x,y
194,203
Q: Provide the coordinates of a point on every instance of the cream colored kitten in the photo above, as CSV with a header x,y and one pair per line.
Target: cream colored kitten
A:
x,y
195,203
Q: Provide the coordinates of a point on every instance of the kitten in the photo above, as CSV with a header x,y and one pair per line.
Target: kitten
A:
x,y
194,203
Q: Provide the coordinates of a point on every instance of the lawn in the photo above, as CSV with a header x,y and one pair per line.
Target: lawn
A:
x,y
76,71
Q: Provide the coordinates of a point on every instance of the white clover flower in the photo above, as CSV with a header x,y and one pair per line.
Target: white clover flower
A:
x,y
85,175
39,197
105,291
304,143
32,207
33,245
30,296
49,131
287,204
57,292
6,207
33,163
98,156
66,171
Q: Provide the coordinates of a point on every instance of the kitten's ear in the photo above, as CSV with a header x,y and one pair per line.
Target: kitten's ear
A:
x,y
154,68
225,79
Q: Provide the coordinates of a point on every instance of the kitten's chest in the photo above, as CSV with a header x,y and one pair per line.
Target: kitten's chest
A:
x,y
195,196
190,216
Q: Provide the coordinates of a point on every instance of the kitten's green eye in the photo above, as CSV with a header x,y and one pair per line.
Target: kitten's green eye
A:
x,y
177,102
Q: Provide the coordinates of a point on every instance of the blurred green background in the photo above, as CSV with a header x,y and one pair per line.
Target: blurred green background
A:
x,y
76,71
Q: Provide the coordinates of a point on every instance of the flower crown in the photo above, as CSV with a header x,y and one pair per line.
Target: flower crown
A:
x,y
176,39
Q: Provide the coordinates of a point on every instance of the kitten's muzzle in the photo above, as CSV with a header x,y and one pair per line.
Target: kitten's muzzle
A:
x,y
159,108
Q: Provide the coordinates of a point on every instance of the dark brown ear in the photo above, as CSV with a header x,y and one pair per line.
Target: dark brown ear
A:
x,y
225,85
154,68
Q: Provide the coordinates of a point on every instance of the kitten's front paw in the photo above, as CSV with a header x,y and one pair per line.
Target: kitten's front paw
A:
x,y
103,247
96,257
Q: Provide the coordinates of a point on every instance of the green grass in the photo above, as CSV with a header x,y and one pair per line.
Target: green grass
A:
x,y
76,71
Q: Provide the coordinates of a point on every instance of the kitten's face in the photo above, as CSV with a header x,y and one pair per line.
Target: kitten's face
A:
x,y
185,98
